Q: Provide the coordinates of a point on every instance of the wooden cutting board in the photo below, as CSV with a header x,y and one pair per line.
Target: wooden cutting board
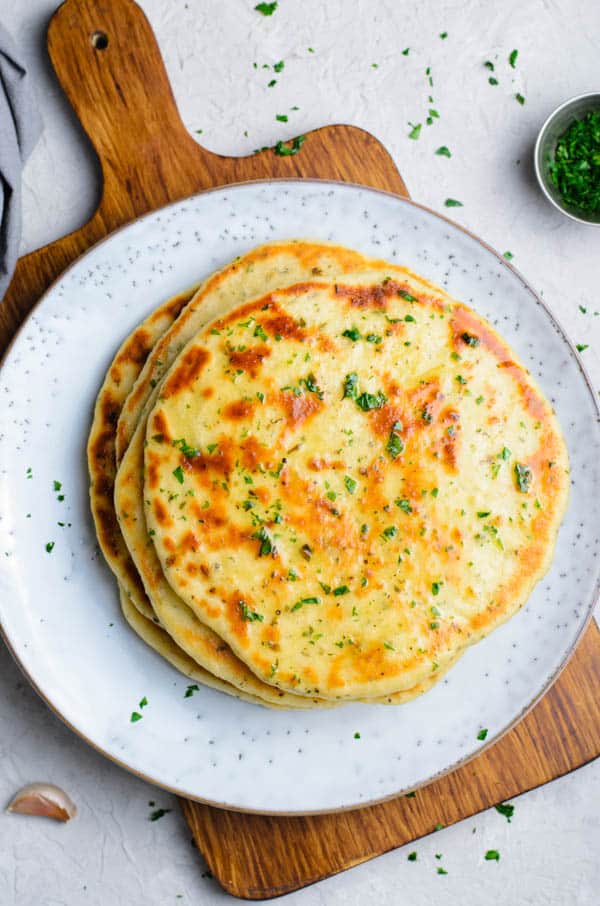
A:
x,y
107,60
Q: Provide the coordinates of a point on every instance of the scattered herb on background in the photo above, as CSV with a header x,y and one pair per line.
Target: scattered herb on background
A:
x,y
581,347
493,80
271,83
441,871
520,99
444,35
453,203
267,9
199,131
412,857
415,131
489,65
406,51
506,809
443,151
281,118
482,734
357,735
278,67
135,716
158,813
492,855
508,255
49,547
583,310
512,59
193,687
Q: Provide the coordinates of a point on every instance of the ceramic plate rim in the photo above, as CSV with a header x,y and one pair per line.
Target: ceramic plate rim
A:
x,y
595,596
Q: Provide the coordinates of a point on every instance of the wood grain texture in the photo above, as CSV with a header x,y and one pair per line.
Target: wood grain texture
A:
x,y
257,856
123,98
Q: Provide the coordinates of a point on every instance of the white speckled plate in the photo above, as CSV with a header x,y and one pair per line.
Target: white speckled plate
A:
x,y
59,610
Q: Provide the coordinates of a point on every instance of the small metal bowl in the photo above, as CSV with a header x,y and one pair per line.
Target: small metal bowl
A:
x,y
545,146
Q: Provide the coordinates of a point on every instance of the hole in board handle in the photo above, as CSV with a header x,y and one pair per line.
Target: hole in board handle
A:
x,y
99,40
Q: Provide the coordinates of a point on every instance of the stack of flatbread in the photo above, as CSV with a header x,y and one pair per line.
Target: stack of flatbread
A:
x,y
318,479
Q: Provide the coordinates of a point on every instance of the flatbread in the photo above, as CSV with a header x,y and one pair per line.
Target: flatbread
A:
x,y
264,267
157,638
351,482
116,387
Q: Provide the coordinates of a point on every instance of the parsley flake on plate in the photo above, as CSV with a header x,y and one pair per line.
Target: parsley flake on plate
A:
x,y
49,547
520,99
453,203
512,59
281,117
412,857
415,131
443,151
581,347
135,716
193,687
278,67
492,855
482,734
508,255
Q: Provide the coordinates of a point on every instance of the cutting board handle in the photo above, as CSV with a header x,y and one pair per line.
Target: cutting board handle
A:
x,y
108,62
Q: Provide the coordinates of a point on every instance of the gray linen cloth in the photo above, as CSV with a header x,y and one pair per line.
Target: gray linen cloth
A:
x,y
20,127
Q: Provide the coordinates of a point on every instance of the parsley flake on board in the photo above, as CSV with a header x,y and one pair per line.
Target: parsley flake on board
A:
x,y
453,203
444,35
49,547
286,150
270,84
441,871
506,809
508,255
443,151
281,118
278,67
193,687
492,855
412,857
489,65
482,734
357,735
415,131
135,716
267,9
512,59
520,99
493,80
581,347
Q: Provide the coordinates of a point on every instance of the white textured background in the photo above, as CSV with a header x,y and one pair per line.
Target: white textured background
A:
x,y
112,854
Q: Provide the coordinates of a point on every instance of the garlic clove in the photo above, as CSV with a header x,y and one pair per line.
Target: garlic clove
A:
x,y
44,799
